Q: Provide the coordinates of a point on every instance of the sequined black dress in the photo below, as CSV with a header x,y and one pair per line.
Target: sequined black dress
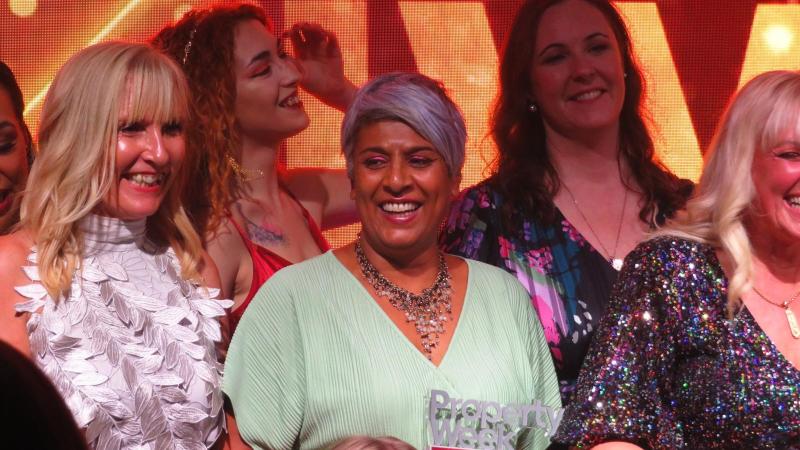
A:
x,y
667,370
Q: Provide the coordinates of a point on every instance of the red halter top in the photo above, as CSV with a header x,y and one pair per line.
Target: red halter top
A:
x,y
267,262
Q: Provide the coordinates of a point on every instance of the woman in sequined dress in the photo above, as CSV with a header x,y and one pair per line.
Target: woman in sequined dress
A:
x,y
354,341
576,184
106,285
700,346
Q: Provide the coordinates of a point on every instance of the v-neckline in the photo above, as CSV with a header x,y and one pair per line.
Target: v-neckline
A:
x,y
560,218
367,297
757,329
763,334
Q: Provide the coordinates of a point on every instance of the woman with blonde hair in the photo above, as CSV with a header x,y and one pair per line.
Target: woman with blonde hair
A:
x,y
113,294
700,347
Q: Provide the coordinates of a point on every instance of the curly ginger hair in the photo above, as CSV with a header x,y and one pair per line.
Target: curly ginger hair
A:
x,y
202,42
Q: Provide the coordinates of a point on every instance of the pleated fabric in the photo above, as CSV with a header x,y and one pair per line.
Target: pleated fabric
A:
x,y
316,359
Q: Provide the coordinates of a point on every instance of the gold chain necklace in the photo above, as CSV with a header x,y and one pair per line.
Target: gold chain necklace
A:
x,y
790,317
616,263
244,174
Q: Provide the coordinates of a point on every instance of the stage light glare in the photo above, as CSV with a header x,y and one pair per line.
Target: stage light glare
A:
x,y
778,38
22,8
182,9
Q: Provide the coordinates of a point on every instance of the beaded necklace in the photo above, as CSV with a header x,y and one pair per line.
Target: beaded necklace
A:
x,y
428,311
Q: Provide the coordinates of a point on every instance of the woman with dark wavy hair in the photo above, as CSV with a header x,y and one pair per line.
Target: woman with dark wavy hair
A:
x,y
16,149
576,184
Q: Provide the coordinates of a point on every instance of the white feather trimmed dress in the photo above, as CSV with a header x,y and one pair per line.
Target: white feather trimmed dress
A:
x,y
132,348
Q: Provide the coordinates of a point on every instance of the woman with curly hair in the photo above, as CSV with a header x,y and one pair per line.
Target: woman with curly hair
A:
x,y
576,185
16,149
255,218
106,285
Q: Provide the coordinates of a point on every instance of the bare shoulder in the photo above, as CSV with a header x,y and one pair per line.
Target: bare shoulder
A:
x,y
225,233
226,251
14,251
209,271
225,241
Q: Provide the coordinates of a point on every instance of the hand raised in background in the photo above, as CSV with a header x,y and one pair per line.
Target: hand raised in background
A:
x,y
320,58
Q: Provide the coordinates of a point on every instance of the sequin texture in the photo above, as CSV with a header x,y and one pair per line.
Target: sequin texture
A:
x,y
667,369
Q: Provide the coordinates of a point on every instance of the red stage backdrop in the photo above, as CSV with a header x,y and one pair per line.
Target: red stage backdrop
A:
x,y
695,54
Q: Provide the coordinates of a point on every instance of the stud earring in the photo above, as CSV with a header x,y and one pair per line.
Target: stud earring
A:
x,y
532,107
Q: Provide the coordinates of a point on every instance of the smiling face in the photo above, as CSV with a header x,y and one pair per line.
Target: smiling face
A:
x,y
775,212
577,74
13,158
149,155
267,106
401,187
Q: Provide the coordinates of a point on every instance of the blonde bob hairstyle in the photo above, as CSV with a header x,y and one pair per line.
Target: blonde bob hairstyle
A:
x,y
75,167
757,119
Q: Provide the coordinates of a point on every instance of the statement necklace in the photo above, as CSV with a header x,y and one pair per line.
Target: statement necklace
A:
x,y
616,263
790,317
244,174
428,311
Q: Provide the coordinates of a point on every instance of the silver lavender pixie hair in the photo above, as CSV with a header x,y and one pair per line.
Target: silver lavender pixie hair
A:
x,y
415,100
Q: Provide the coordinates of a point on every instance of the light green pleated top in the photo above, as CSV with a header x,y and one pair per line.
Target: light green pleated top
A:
x,y
315,359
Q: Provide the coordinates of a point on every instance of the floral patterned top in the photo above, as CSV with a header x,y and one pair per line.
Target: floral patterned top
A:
x,y
568,280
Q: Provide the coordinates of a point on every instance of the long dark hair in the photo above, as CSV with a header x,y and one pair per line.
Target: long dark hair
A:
x,y
524,173
9,83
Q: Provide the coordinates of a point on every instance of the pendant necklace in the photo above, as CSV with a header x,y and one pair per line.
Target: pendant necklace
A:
x,y
794,327
428,311
616,263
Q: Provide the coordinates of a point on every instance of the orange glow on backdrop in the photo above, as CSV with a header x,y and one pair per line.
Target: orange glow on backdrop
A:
x,y
675,140
774,41
456,42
